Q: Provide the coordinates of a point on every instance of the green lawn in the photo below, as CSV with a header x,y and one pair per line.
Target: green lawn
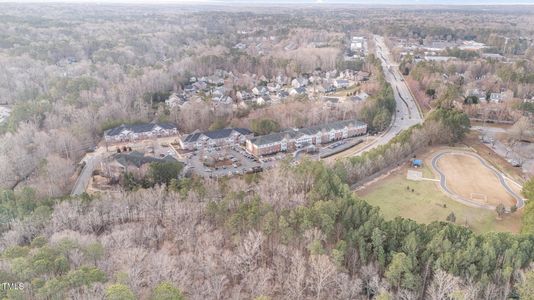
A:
x,y
425,205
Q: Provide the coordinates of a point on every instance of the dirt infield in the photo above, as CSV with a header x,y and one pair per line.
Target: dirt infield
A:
x,y
467,177
470,179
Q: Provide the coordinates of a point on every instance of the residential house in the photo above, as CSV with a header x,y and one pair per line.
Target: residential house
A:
x,y
282,94
330,102
218,92
215,80
361,96
222,137
292,139
200,85
501,97
262,78
220,73
262,100
135,163
281,79
331,74
139,131
347,74
299,82
341,83
260,90
362,76
4,113
189,88
223,100
274,87
326,88
297,91
240,46
495,97
175,100
244,95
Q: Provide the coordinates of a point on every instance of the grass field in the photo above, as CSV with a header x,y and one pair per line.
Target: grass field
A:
x,y
426,204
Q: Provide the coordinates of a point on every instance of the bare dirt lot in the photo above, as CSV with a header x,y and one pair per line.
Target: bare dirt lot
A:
x,y
467,177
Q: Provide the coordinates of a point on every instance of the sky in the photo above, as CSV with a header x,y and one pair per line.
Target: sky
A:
x,y
263,2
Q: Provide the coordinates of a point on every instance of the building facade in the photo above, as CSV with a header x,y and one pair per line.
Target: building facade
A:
x,y
216,138
298,138
129,133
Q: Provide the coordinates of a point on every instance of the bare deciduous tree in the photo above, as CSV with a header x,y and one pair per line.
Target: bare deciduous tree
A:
x,y
442,286
321,274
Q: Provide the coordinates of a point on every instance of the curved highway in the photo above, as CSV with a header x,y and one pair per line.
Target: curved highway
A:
x,y
408,113
502,179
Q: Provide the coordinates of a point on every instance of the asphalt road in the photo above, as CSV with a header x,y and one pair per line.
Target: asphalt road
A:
x,y
502,179
407,113
85,174
406,116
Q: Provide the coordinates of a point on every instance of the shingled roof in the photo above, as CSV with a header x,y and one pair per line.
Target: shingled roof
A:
x,y
138,159
274,137
138,128
216,134
296,133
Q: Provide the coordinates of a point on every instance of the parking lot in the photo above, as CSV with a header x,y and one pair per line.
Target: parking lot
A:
x,y
215,162
224,161
159,147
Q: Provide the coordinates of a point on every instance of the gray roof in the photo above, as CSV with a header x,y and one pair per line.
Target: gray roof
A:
x,y
283,94
296,133
300,90
138,159
274,137
138,128
216,134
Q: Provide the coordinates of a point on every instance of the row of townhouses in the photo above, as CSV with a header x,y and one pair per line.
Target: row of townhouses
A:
x,y
287,140
216,138
139,131
297,138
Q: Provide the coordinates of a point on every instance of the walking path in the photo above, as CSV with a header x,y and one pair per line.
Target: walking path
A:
x,y
520,202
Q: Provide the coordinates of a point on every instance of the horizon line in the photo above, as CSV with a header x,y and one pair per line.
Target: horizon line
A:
x,y
244,3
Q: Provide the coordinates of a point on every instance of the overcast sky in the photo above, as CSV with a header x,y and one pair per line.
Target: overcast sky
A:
x,y
249,2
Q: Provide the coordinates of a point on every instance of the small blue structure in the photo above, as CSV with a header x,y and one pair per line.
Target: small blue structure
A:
x,y
417,163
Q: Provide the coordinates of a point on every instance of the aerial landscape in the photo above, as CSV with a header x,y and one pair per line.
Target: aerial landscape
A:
x,y
267,150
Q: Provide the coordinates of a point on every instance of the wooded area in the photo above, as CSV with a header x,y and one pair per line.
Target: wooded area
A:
x,y
291,232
